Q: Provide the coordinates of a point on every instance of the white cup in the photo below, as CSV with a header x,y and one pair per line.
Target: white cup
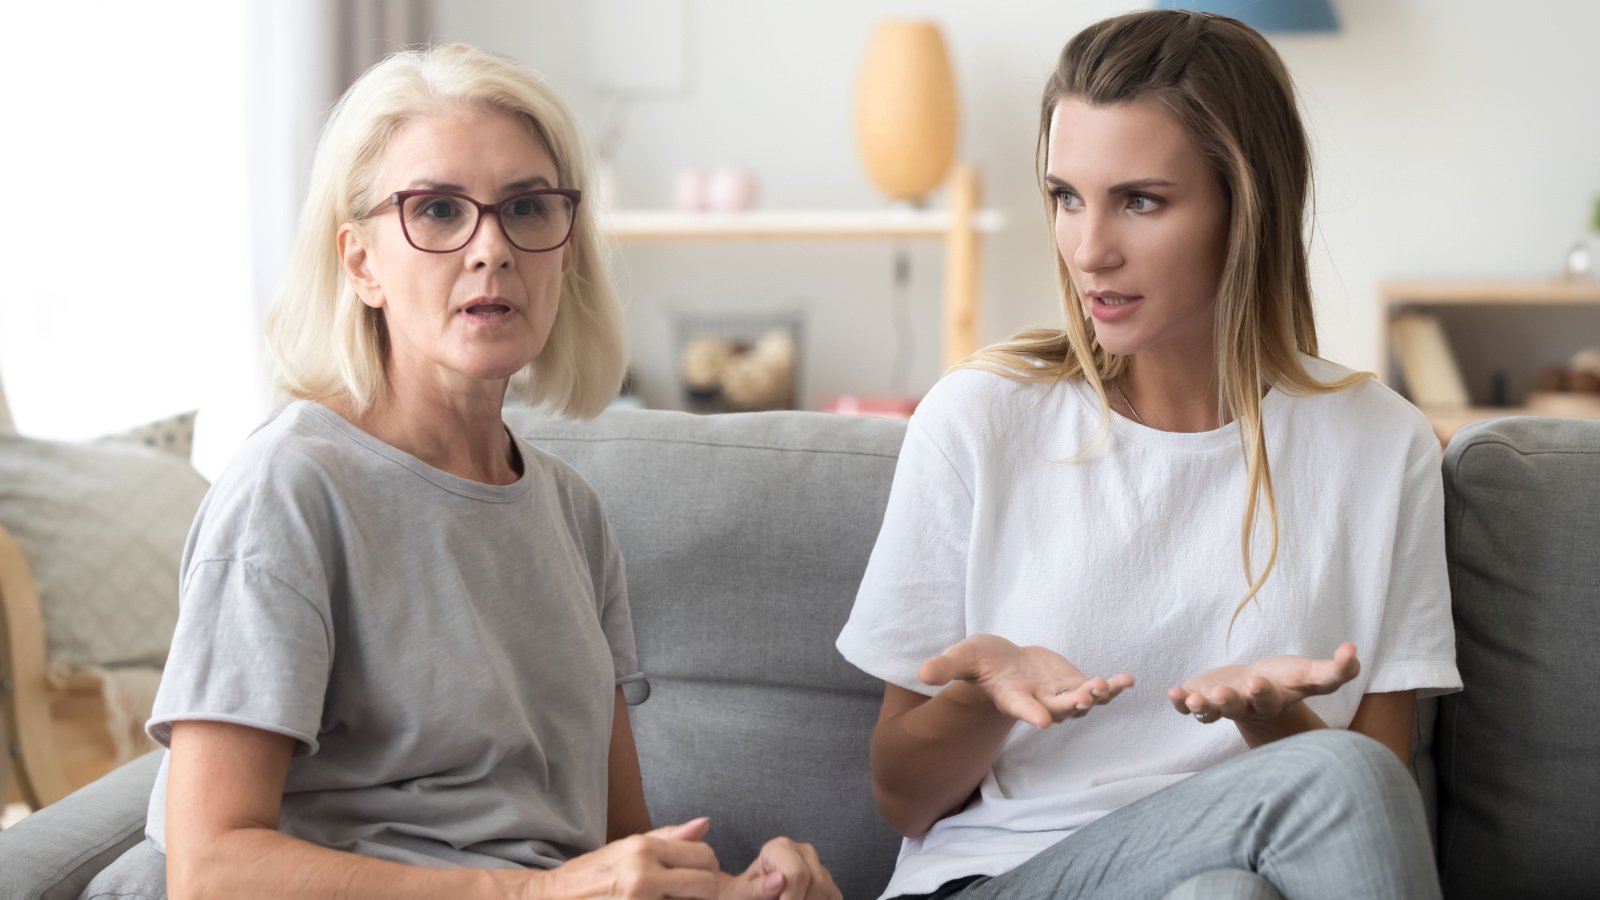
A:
x,y
732,189
690,189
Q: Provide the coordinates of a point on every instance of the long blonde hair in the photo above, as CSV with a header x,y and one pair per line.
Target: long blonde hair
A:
x,y
1229,90
327,343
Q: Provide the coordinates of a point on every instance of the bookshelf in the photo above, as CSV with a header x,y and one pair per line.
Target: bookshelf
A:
x,y
961,225
1427,323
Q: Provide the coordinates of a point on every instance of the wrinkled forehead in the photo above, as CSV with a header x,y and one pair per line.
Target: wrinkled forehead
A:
x,y
466,149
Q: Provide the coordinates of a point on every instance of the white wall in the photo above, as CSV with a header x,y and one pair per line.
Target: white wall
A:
x,y
124,288
1454,138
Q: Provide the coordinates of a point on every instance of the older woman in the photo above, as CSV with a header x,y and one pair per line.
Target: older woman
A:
x,y
404,630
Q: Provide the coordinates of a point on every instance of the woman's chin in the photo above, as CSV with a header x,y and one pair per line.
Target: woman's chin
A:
x,y
1116,344
499,364
487,371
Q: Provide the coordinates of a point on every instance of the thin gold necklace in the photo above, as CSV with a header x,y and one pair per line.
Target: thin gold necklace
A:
x,y
1124,395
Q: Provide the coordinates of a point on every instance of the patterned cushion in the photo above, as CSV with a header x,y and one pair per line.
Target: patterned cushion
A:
x,y
102,527
173,435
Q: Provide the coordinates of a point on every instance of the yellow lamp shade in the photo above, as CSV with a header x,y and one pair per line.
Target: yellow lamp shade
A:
x,y
906,109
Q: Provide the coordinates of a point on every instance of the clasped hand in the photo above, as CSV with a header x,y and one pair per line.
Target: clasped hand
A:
x,y
1040,687
675,862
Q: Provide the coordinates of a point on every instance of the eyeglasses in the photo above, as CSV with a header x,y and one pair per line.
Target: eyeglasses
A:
x,y
444,221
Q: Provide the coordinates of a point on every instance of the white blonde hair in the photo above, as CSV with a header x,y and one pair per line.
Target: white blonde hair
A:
x,y
327,343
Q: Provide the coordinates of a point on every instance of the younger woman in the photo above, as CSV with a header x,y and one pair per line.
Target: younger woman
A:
x,y
1170,486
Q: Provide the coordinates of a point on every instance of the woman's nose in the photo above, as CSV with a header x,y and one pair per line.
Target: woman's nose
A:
x,y
489,248
1098,247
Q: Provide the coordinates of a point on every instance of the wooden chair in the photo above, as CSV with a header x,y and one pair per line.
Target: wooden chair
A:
x,y
54,730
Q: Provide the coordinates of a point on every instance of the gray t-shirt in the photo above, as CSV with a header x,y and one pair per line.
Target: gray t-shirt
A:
x,y
444,652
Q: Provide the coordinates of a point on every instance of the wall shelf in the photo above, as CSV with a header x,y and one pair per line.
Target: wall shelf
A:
x,y
960,224
1439,299
1495,293
790,225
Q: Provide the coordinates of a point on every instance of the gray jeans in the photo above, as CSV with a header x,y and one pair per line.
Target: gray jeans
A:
x,y
1326,814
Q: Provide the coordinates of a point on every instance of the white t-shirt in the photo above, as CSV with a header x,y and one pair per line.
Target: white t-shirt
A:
x,y
1130,561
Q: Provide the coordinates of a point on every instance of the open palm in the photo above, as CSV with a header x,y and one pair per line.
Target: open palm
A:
x,y
1258,691
1034,684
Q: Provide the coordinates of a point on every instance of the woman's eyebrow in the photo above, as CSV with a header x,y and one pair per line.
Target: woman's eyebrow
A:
x,y
1140,184
1125,187
428,184
525,184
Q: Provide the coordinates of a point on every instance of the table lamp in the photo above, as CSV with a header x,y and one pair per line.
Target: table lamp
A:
x,y
1267,15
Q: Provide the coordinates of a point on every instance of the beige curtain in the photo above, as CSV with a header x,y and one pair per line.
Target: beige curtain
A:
x,y
367,30
300,56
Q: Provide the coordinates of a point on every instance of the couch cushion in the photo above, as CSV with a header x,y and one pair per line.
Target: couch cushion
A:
x,y
102,526
138,874
1518,750
745,537
174,435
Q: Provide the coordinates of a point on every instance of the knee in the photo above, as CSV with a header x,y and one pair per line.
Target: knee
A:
x,y
1235,884
1347,760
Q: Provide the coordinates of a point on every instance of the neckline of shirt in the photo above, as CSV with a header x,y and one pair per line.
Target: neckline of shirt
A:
x,y
1125,428
466,487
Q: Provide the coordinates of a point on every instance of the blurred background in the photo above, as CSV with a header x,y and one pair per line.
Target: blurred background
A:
x,y
159,151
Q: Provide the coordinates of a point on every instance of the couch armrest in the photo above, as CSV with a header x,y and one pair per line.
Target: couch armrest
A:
x,y
1518,750
55,852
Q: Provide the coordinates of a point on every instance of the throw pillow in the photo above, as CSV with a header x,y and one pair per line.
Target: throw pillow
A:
x,y
174,435
102,527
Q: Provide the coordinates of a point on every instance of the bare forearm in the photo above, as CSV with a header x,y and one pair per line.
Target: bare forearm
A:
x,y
1295,719
260,863
928,760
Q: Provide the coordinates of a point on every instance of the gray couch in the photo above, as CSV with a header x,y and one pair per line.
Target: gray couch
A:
x,y
745,537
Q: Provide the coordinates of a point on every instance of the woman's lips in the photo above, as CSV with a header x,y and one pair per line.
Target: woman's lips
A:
x,y
1109,306
487,313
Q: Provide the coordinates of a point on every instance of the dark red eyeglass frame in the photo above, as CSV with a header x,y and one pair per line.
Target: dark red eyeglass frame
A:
x,y
398,198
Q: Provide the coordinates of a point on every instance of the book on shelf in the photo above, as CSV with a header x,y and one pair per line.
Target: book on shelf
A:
x,y
1432,376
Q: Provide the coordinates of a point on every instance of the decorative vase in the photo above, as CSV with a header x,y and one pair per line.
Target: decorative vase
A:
x,y
906,109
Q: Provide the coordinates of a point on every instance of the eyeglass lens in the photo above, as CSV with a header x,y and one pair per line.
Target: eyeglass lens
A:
x,y
442,223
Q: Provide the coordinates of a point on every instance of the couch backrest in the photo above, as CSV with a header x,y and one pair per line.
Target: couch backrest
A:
x,y
745,537
1518,750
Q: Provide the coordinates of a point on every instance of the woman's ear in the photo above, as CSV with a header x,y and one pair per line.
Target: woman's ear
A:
x,y
357,262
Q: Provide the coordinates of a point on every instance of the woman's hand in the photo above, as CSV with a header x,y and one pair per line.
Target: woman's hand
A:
x,y
1263,690
666,862
1033,684
785,870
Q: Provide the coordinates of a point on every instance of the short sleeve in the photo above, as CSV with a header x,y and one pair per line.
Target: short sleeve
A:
x,y
616,620
1417,641
912,601
249,650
